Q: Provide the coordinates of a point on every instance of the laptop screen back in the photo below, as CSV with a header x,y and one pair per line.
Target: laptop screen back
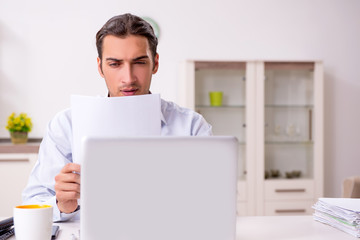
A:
x,y
159,188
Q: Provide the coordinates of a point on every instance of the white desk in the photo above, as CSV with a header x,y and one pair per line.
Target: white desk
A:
x,y
287,227
258,228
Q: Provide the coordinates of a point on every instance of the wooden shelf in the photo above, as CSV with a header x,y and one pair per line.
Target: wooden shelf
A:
x,y
220,65
31,147
288,106
289,66
289,142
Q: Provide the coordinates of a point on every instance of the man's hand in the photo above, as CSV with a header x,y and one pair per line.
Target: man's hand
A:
x,y
67,188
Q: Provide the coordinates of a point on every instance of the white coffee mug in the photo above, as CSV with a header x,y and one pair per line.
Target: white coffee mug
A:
x,y
33,222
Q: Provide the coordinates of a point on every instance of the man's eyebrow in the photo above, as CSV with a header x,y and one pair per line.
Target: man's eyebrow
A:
x,y
141,57
134,59
113,59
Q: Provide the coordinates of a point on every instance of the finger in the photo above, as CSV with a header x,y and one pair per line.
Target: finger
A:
x,y
68,178
71,167
67,195
67,187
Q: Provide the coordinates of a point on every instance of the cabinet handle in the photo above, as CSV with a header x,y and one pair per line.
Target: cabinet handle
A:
x,y
290,210
290,190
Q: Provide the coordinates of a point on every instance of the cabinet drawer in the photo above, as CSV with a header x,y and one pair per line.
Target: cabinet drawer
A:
x,y
9,157
241,191
15,169
289,189
289,208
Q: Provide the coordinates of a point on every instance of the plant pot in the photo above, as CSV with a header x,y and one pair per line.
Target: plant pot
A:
x,y
19,137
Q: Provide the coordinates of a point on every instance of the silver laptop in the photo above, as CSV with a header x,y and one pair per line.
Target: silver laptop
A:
x,y
159,188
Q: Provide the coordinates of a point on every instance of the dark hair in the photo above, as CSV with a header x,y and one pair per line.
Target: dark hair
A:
x,y
123,26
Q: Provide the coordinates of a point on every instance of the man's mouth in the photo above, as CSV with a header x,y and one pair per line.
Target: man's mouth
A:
x,y
129,92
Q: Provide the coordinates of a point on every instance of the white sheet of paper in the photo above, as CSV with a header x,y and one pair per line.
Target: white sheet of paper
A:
x,y
114,117
350,204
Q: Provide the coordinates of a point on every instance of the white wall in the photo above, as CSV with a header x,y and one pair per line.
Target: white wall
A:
x,y
47,53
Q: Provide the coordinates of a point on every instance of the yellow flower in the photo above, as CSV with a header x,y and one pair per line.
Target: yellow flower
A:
x,y
20,123
28,122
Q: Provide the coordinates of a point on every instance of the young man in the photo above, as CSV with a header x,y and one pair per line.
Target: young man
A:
x,y
127,59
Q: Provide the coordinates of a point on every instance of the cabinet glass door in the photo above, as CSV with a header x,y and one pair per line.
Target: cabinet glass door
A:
x,y
289,118
227,118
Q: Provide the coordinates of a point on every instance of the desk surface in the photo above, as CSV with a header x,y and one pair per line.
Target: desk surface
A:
x,y
286,227
257,228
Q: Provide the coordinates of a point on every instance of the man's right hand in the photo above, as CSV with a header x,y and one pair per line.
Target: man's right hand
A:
x,y
67,188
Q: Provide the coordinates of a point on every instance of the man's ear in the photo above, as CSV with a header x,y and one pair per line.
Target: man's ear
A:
x,y
156,64
100,67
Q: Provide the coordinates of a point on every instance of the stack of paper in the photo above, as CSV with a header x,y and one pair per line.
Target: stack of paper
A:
x,y
341,213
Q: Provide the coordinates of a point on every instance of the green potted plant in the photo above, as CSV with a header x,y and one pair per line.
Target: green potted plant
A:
x,y
19,126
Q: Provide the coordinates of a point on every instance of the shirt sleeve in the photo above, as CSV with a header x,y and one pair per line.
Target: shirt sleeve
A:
x,y
54,153
200,127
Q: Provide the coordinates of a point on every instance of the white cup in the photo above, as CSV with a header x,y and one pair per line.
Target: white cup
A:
x,y
33,222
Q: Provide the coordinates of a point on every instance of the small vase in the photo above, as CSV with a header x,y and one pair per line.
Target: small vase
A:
x,y
19,137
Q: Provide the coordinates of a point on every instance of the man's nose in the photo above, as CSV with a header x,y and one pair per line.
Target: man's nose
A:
x,y
128,76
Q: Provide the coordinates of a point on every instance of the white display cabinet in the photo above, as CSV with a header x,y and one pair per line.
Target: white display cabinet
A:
x,y
289,139
234,117
275,109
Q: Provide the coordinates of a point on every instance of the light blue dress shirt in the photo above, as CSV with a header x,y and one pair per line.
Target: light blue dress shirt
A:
x,y
56,151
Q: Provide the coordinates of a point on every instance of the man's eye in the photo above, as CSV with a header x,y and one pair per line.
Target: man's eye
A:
x,y
140,62
114,64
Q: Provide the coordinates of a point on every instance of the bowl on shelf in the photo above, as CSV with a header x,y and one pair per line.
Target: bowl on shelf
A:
x,y
296,174
293,174
274,173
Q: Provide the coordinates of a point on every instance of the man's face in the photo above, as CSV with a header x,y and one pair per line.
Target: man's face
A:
x,y
127,65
